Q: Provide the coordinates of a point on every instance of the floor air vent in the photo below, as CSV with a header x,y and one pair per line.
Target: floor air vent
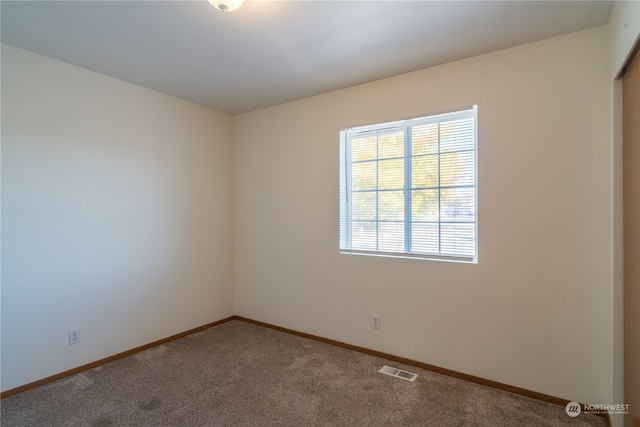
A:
x,y
398,373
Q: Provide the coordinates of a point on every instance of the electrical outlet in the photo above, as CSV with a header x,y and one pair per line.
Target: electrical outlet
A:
x,y
375,321
74,336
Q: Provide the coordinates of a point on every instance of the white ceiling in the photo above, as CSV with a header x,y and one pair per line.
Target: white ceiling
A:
x,y
269,51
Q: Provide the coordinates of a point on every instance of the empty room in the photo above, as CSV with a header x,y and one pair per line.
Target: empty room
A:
x,y
238,213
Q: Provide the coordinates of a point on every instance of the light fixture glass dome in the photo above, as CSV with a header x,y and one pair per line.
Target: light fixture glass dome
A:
x,y
226,5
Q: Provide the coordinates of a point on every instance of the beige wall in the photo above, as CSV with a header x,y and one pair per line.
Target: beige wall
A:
x,y
117,216
624,26
535,312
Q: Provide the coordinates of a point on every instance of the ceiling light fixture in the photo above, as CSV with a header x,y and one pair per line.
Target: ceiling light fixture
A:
x,y
226,5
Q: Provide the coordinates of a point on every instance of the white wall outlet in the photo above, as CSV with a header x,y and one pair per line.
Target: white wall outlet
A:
x,y
375,321
74,336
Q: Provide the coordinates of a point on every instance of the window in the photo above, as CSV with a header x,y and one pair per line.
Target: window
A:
x,y
408,188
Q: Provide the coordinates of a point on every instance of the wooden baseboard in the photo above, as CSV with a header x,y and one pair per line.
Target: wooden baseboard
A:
x,y
91,365
478,380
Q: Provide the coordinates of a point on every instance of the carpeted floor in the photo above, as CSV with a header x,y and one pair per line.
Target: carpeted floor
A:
x,y
241,374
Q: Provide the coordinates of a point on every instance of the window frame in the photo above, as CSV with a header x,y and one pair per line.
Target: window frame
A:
x,y
346,191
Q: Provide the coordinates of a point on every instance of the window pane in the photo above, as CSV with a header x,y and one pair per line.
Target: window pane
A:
x,y
391,236
457,135
456,169
424,171
457,238
364,206
364,176
424,139
391,145
424,205
391,174
391,205
458,205
363,236
364,148
424,237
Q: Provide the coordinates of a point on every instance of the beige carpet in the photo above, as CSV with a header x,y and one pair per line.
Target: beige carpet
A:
x,y
241,374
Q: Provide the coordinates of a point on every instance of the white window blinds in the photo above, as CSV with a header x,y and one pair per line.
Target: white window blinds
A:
x,y
408,188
